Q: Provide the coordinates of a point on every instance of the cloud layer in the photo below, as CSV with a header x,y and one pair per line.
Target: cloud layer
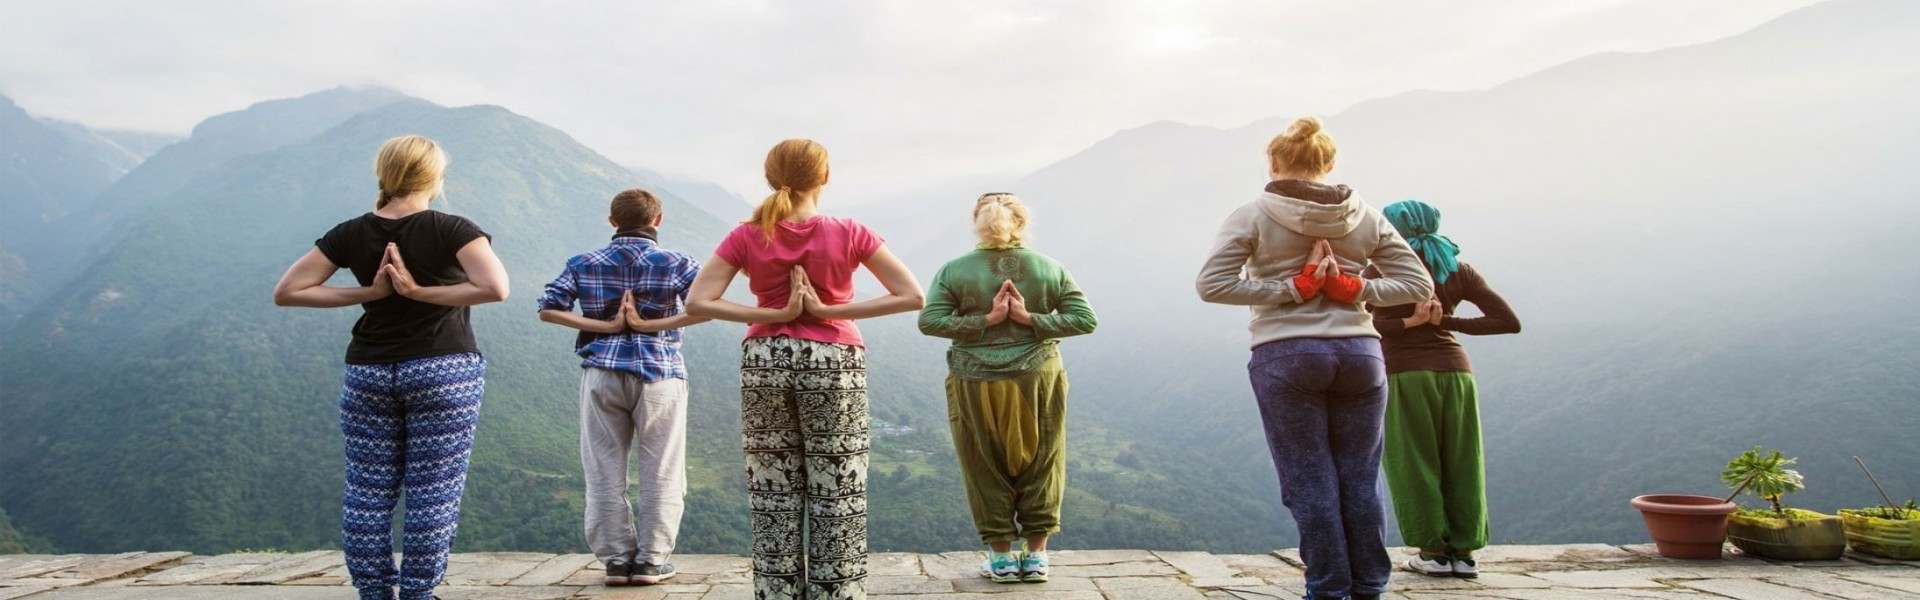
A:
x,y
906,94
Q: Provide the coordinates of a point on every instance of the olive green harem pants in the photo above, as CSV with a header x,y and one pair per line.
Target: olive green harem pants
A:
x,y
1010,436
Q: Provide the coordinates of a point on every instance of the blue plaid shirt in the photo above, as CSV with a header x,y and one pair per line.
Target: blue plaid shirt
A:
x,y
659,279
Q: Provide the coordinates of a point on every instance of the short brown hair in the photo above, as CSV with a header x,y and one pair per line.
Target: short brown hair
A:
x,y
634,208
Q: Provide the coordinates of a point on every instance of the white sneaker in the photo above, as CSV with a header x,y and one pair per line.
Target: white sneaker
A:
x,y
1465,568
1437,567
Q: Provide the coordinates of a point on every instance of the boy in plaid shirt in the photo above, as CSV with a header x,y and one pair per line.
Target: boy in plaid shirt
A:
x,y
633,386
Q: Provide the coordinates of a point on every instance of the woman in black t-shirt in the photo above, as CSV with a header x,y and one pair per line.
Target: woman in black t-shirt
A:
x,y
414,376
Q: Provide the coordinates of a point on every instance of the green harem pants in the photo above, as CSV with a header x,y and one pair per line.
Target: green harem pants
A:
x,y
1434,462
1010,436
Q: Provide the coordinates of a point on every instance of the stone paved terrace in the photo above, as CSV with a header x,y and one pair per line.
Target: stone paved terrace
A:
x,y
1508,572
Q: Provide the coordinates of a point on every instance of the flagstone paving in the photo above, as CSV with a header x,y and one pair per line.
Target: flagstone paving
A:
x,y
1582,571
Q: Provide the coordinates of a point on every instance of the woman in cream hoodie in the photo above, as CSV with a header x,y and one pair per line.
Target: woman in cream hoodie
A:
x,y
1294,256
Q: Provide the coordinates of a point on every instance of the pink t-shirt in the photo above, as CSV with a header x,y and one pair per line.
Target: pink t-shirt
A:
x,y
829,248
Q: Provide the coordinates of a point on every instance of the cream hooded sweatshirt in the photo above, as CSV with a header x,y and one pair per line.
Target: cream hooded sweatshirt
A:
x,y
1264,244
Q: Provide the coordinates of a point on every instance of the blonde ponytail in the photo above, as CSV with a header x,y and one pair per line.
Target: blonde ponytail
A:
x,y
1000,220
1305,149
407,165
793,167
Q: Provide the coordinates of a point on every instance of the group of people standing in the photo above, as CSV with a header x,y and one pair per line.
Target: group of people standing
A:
x,y
1336,386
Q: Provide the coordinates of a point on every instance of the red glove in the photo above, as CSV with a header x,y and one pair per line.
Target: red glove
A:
x,y
1343,288
1306,284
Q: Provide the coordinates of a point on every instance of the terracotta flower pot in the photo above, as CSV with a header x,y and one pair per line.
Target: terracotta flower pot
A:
x,y
1882,537
1685,526
1807,536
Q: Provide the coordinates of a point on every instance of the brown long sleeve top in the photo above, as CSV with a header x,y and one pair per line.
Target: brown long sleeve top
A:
x,y
1430,348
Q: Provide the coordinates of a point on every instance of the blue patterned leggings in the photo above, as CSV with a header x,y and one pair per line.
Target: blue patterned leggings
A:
x,y
409,428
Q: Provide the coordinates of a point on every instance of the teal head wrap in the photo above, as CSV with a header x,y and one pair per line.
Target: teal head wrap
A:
x,y
1419,223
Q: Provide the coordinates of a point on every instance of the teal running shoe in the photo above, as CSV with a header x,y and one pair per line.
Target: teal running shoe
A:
x,y
1001,567
1033,567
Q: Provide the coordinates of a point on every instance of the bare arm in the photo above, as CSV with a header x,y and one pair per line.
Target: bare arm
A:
x,y
706,298
903,292
567,318
486,277
668,322
305,285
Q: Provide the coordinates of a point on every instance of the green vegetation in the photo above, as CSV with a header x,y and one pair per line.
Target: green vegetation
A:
x,y
14,542
1764,474
1907,512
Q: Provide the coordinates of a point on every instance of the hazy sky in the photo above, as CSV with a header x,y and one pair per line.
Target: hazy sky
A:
x,y
906,95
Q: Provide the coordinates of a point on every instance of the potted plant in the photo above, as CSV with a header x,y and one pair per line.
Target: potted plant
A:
x,y
1779,532
1684,525
1887,530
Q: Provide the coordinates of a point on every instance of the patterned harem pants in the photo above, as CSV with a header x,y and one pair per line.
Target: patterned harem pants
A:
x,y
803,420
409,429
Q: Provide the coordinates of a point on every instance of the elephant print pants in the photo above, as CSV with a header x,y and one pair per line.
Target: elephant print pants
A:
x,y
803,421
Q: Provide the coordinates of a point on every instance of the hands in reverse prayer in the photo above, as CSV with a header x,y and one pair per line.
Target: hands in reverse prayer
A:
x,y
1427,312
1323,274
1008,304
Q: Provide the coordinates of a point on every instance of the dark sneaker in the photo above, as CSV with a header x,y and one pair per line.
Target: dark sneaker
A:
x,y
619,572
646,574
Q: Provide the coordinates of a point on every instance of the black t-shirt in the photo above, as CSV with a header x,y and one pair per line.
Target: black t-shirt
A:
x,y
397,328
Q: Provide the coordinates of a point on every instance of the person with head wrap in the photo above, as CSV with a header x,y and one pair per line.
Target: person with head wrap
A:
x,y
1433,458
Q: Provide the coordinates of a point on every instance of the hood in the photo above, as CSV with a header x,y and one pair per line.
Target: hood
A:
x,y
1312,209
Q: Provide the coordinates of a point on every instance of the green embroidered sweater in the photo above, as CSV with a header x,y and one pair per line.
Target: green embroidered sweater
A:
x,y
962,294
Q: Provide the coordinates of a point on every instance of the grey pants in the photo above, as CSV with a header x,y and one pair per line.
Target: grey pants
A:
x,y
618,409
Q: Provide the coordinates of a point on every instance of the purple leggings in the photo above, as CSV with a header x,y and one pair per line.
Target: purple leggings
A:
x,y
1324,403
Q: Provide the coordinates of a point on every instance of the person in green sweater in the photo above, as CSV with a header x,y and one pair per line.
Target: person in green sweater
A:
x,y
1005,308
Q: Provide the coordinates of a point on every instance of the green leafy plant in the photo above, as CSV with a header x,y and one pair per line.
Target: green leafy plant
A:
x,y
1910,511
1764,474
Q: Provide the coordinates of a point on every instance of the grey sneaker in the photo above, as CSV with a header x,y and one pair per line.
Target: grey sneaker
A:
x,y
619,572
646,574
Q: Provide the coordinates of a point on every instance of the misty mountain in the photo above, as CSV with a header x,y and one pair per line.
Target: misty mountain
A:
x,y
128,147
141,143
707,196
131,175
45,167
1702,242
48,170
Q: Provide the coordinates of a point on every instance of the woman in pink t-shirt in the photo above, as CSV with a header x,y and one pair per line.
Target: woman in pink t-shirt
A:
x,y
803,375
